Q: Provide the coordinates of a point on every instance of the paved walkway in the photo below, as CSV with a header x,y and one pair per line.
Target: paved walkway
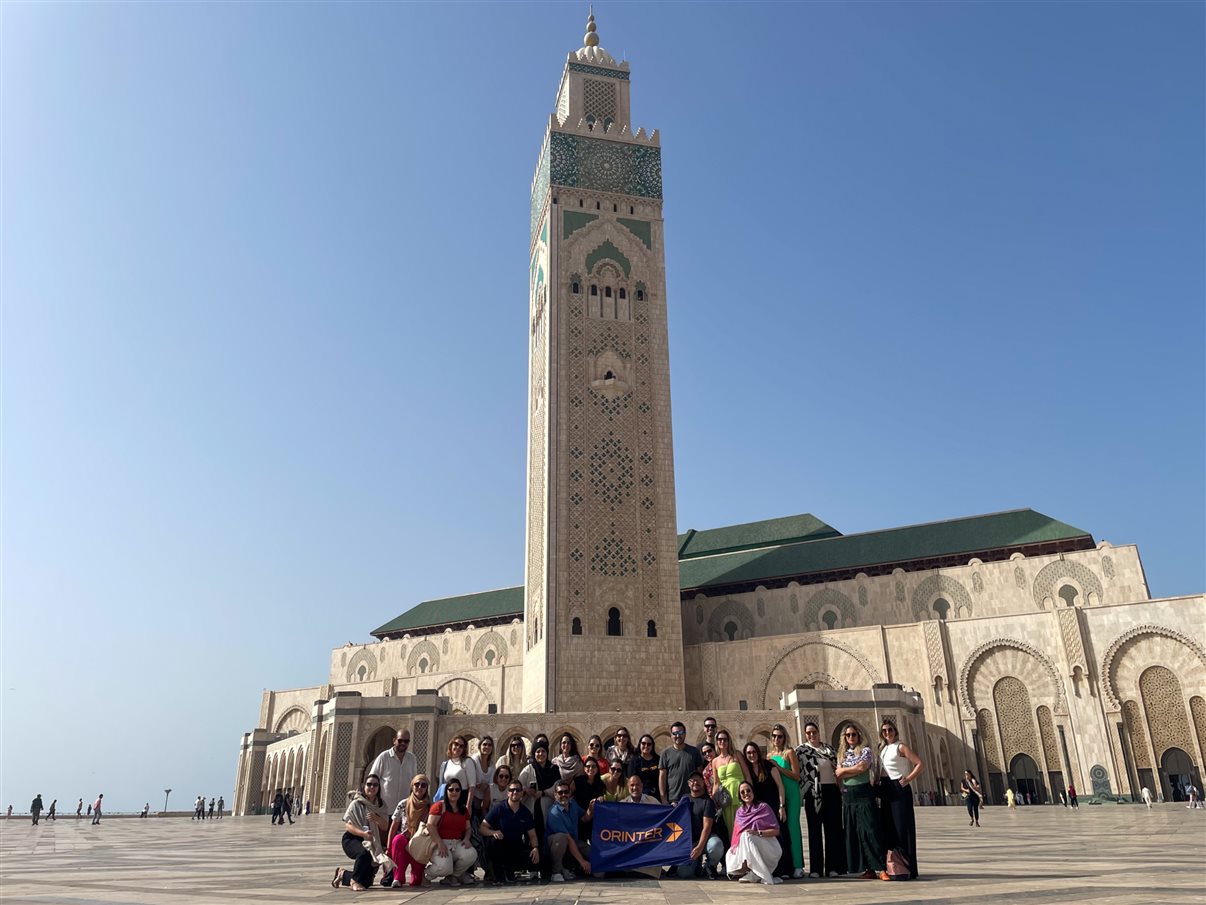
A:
x,y
1110,854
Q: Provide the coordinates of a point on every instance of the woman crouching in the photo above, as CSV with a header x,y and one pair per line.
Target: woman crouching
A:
x,y
755,850
411,811
364,825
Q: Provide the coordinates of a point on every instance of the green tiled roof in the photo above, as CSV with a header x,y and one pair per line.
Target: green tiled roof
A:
x,y
771,532
782,548
916,542
451,610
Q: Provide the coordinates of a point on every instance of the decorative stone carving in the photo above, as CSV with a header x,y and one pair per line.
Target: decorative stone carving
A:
x,y
780,659
933,649
1074,649
466,695
362,667
967,699
1047,737
1047,580
730,611
1133,722
490,640
828,597
423,649
940,586
1111,658
1014,717
1019,576
1165,706
988,738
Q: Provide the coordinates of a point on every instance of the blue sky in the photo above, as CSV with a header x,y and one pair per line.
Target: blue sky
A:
x,y
264,304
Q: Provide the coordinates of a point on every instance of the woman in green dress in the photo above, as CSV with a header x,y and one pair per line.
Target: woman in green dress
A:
x,y
729,771
789,770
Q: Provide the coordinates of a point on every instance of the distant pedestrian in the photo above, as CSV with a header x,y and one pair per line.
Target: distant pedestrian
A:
x,y
212,802
79,809
1193,800
1072,797
146,809
35,808
307,807
221,806
96,809
972,795
1146,795
10,811
53,807
199,808
287,810
89,810
278,807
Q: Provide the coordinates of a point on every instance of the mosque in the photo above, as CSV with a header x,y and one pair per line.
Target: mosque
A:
x,y
1012,644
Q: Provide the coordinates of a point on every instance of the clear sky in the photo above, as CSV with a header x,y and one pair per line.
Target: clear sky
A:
x,y
264,316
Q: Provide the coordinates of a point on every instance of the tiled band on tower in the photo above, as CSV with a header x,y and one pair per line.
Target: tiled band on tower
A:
x,y
1011,644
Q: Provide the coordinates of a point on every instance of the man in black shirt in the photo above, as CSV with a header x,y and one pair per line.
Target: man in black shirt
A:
x,y
708,849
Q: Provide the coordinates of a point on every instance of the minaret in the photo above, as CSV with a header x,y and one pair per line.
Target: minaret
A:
x,y
602,608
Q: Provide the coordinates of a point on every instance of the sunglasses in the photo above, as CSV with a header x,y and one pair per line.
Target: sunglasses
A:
x,y
778,735
678,734
419,785
646,742
563,794
514,791
401,741
850,735
616,770
621,735
372,785
709,725
516,744
594,745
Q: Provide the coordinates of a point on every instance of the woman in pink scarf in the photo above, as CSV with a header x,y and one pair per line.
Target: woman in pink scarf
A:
x,y
755,849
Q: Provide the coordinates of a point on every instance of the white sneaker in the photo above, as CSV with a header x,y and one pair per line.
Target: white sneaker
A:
x,y
557,878
751,877
814,876
798,874
832,873
772,881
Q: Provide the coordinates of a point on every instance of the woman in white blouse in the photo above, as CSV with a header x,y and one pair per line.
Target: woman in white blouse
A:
x,y
901,766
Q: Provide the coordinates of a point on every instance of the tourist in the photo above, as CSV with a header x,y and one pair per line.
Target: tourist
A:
x,y
396,766
484,761
646,764
1071,797
286,808
55,804
409,813
970,790
364,822
709,738
781,753
636,792
676,764
79,810
453,859
146,809
566,817
458,765
594,750
9,814
515,757
1146,795
615,782
96,809
588,787
707,850
755,849
498,786
568,761
510,833
729,770
278,809
856,772
212,803
89,810
902,766
768,789
539,777
621,749
1193,800
35,808
222,806
822,804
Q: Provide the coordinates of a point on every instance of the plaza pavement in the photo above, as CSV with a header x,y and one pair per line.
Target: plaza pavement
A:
x,y
1110,854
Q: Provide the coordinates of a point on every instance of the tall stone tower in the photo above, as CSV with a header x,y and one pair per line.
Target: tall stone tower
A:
x,y
602,607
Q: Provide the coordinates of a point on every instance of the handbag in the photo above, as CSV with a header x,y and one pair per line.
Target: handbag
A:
x,y
439,795
421,844
721,797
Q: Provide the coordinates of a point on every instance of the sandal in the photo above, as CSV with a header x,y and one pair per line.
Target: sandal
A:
x,y
335,880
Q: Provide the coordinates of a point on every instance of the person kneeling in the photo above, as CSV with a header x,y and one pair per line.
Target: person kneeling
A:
x,y
510,834
562,831
755,850
454,856
708,850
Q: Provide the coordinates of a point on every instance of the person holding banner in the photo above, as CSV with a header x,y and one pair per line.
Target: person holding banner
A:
x,y
565,817
755,850
510,833
707,850
589,786
636,792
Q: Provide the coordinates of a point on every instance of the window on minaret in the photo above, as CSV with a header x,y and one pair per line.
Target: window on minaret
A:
x,y
730,630
594,289
652,629
640,295
607,292
1068,594
575,289
613,621
623,294
941,608
576,626
830,619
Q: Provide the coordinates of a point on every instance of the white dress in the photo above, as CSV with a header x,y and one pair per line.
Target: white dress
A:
x,y
761,853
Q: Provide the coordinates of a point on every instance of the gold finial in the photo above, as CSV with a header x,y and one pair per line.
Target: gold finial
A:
x,y
591,39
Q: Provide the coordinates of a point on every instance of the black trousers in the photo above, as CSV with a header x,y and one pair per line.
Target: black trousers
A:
x,y
508,856
899,822
831,855
364,868
973,807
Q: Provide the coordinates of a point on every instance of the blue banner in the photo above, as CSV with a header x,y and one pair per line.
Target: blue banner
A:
x,y
627,836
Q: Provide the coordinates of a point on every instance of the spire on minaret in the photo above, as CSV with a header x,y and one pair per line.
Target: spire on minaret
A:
x,y
591,39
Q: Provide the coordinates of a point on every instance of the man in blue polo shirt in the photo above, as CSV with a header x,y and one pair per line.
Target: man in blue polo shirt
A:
x,y
562,832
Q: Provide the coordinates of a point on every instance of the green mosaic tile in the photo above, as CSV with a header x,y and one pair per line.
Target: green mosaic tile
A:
x,y
572,221
540,189
642,229
602,165
599,70
607,250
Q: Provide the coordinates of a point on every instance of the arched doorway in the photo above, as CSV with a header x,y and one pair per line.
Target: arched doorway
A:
x,y
1027,781
379,741
1176,774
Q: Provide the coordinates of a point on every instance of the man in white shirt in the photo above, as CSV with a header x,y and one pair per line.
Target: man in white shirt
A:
x,y
1147,797
397,767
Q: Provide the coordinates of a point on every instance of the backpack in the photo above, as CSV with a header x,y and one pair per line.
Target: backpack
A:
x,y
898,865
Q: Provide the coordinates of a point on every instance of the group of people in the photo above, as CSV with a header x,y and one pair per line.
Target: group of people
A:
x,y
199,811
529,812
283,807
36,807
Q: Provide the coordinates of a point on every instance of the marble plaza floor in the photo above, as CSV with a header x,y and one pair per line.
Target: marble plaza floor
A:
x,y
1112,854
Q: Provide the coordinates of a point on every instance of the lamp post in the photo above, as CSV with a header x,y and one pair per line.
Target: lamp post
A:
x,y
166,793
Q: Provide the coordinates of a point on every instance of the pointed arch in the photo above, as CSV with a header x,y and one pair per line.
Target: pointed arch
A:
x,y
942,586
466,695
1049,576
1033,667
1115,655
807,657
